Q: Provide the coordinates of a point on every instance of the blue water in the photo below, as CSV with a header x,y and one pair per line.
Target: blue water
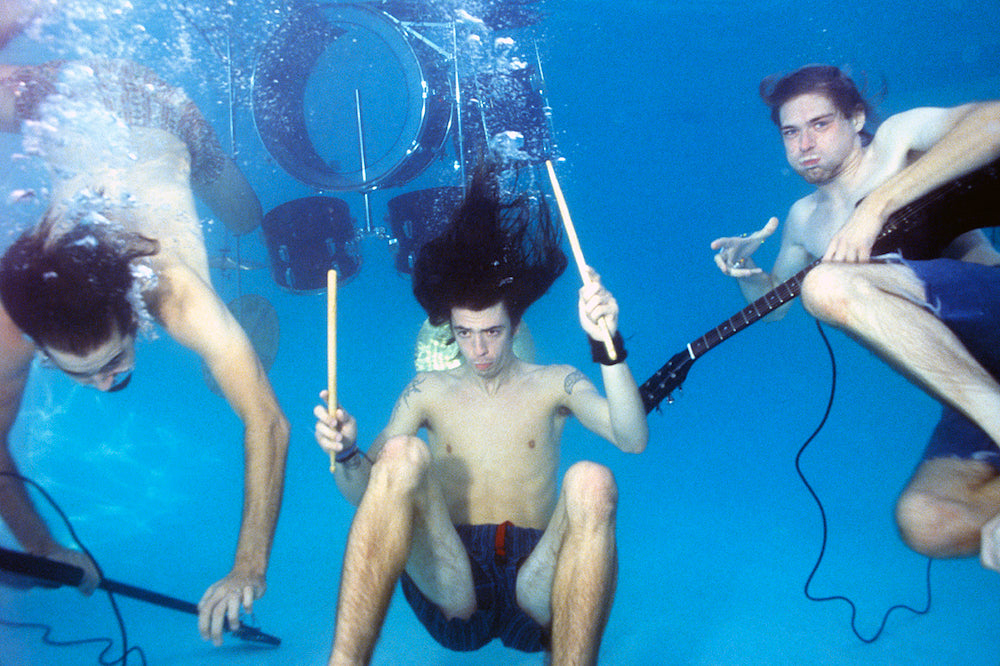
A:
x,y
666,147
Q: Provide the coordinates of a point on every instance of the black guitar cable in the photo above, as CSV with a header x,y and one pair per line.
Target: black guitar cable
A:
x,y
822,513
46,636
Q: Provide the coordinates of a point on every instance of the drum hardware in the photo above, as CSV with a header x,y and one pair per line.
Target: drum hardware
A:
x,y
306,237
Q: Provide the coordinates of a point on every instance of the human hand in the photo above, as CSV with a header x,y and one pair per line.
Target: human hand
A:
x,y
733,252
222,601
989,544
91,578
337,432
853,242
597,303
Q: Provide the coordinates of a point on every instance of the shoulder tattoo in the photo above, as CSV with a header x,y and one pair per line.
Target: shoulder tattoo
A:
x,y
572,379
411,388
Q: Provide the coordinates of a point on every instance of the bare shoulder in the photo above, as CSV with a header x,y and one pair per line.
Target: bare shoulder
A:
x,y
426,390
565,380
916,129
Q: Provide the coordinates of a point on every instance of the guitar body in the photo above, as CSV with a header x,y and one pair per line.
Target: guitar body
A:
x,y
922,229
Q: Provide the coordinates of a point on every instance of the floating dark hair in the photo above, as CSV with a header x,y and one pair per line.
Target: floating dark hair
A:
x,y
497,247
71,292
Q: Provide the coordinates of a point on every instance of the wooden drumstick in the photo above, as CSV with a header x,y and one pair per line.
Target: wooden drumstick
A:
x,y
581,265
331,351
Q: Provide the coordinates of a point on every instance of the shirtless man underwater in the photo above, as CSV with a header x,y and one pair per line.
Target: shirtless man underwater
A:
x,y
472,520
120,247
934,321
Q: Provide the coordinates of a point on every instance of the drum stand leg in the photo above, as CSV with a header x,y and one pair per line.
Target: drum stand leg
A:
x,y
364,165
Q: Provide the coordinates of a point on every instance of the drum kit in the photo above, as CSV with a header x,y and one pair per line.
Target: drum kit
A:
x,y
365,97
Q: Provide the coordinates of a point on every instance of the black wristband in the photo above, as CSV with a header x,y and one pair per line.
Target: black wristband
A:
x,y
600,355
348,453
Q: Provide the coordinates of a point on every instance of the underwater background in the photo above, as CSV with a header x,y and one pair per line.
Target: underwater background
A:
x,y
665,146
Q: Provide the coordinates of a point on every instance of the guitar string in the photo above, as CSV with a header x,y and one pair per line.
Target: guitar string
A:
x,y
784,293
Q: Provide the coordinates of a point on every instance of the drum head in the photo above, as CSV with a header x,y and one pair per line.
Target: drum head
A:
x,y
306,238
323,67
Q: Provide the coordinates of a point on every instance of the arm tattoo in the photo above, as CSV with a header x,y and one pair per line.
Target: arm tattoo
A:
x,y
572,379
412,387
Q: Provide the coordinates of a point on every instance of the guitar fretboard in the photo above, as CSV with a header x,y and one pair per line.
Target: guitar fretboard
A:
x,y
763,306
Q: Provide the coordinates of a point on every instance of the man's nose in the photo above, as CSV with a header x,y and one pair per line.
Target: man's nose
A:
x,y
807,140
479,345
104,381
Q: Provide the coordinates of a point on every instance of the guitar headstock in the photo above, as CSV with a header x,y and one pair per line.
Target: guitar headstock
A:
x,y
660,386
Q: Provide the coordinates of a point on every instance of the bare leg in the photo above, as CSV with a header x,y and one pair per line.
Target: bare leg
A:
x,y
401,517
874,303
571,575
944,507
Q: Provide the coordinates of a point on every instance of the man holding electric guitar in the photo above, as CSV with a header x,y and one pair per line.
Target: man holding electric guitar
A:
x,y
919,187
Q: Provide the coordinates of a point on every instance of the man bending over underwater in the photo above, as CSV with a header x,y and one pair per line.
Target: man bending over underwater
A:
x,y
472,520
121,245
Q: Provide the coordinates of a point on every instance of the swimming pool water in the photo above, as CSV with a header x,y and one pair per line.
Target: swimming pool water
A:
x,y
666,147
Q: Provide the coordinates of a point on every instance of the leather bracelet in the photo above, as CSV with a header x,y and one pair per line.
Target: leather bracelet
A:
x,y
348,453
600,355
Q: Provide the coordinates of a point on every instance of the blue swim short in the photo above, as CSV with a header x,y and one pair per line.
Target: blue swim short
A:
x,y
966,298
496,552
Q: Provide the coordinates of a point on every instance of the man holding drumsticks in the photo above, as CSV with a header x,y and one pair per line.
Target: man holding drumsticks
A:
x,y
472,520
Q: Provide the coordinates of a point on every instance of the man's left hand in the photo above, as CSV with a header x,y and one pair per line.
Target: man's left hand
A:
x,y
597,303
222,602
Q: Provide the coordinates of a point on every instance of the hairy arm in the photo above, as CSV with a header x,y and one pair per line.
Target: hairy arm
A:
x,y
193,314
16,506
952,141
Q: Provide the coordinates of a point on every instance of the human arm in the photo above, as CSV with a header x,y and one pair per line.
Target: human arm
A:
x,y
734,257
620,417
337,435
953,141
16,507
193,314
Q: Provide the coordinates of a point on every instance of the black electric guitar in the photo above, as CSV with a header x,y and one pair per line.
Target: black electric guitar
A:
x,y
918,230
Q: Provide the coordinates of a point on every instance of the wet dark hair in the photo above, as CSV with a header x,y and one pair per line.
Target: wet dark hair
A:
x,y
497,247
826,80
71,293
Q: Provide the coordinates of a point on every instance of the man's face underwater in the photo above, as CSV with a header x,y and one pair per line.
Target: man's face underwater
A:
x,y
818,138
485,338
107,368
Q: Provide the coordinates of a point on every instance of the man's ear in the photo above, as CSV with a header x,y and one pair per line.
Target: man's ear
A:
x,y
858,119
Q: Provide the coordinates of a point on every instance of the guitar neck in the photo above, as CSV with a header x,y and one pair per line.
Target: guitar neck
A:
x,y
763,306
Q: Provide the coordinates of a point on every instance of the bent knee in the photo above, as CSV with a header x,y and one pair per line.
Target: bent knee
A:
x,y
936,526
402,463
591,492
827,290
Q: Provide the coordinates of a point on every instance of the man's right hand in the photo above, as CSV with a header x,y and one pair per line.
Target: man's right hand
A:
x,y
733,252
337,432
91,578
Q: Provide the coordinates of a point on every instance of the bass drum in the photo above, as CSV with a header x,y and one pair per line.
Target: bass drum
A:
x,y
345,98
